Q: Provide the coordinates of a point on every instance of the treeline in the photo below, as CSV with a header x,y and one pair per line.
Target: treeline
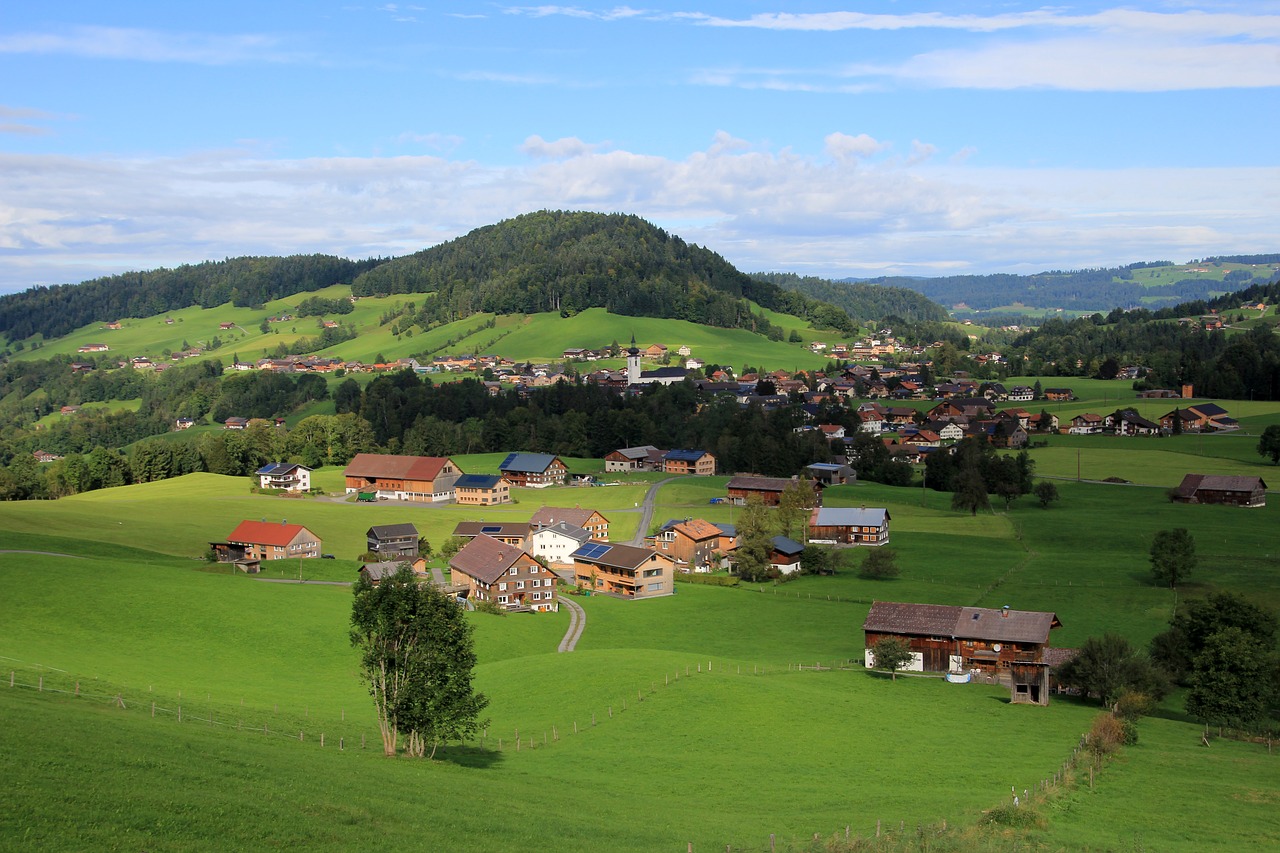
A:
x,y
249,281
1079,290
1239,366
569,261
868,303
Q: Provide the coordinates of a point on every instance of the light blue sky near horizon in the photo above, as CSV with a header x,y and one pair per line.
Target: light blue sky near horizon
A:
x,y
826,139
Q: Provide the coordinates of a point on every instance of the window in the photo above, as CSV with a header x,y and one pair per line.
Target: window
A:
x,y
655,587
502,587
514,571
502,599
519,584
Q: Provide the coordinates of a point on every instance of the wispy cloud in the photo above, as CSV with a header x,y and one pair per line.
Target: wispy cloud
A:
x,y
856,209
617,13
152,46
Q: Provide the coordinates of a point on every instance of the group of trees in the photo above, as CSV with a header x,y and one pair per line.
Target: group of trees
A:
x,y
974,471
1222,649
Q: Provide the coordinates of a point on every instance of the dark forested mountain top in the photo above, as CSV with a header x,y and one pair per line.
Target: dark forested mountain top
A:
x,y
1152,284
55,311
868,301
567,261
545,261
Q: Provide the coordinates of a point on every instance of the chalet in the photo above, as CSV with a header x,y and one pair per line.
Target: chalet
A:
x,y
427,479
556,543
533,470
45,456
287,476
784,555
1127,422
769,489
184,423
510,532
655,351
923,438
1085,424
482,490
589,520
225,326
689,543
380,571
698,462
392,541
1218,489
115,325
262,540
1021,394
1008,645
82,366
630,458
849,526
623,570
490,570
1158,394
1058,395
235,423
94,348
831,473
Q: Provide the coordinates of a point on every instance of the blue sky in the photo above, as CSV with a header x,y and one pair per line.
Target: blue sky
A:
x,y
861,139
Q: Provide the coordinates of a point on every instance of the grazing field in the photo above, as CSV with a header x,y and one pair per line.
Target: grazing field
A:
x,y
692,709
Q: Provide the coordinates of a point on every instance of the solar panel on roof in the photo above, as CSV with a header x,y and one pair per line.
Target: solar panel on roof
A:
x,y
492,528
594,551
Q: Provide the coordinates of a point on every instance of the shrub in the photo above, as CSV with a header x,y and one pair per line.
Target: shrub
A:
x,y
1106,735
489,606
708,580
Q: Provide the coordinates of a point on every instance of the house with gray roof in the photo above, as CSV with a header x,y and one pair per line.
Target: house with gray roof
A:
x,y
849,525
534,470
393,541
1221,489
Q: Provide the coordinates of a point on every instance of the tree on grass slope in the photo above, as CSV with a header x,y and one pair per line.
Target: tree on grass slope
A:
x,y
892,654
1232,681
417,656
1176,649
880,564
752,554
1269,443
1173,556
1108,667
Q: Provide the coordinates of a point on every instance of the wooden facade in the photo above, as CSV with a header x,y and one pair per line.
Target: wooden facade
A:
x,y
769,489
1215,489
427,479
623,571
1009,645
490,570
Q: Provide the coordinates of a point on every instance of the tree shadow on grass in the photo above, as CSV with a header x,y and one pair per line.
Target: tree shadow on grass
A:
x,y
463,755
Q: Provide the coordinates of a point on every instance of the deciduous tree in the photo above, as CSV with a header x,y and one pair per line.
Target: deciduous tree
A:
x,y
880,564
892,654
1046,493
1173,556
1107,667
1231,681
417,657
1269,443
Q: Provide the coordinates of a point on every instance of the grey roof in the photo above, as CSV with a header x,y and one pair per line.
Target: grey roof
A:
x,y
527,463
477,481
564,528
388,531
761,484
784,545
1193,483
381,571
491,528
847,516
970,623
548,515
641,452
617,556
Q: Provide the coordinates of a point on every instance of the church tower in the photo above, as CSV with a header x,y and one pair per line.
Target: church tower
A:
x,y
633,362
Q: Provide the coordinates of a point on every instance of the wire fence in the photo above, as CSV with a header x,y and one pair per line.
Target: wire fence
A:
x,y
355,732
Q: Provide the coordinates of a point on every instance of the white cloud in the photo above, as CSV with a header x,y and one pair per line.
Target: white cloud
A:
x,y
150,46
841,146
617,13
560,149
68,218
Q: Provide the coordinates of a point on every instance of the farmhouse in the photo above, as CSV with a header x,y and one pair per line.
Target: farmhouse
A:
x,y
409,478
698,462
769,489
392,541
533,470
378,572
1008,645
482,490
510,532
632,458
690,543
589,520
490,570
1058,395
831,473
287,476
784,554
261,540
623,570
849,526
93,348
1216,489
556,543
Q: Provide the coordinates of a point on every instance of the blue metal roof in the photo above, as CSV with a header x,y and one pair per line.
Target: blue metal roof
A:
x,y
477,481
685,455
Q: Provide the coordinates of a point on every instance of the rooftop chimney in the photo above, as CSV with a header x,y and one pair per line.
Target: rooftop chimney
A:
x,y
1004,612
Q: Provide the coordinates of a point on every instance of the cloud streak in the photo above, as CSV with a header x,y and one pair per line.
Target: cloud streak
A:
x,y
855,210
141,45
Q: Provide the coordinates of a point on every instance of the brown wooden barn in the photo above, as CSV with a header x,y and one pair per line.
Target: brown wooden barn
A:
x,y
1217,489
1008,645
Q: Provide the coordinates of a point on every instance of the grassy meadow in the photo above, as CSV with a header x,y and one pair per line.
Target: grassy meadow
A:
x,y
703,722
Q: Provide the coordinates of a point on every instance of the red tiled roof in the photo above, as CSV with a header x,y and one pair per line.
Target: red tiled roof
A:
x,y
266,533
378,465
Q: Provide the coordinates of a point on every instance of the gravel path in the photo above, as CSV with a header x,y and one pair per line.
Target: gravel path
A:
x,y
577,621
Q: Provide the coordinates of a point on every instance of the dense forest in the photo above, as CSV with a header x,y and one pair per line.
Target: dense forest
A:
x,y
867,302
568,261
1078,290
398,413
1239,366
58,310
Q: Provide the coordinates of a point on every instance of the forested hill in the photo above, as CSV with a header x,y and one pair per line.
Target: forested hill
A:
x,y
1152,284
55,311
567,261
873,301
